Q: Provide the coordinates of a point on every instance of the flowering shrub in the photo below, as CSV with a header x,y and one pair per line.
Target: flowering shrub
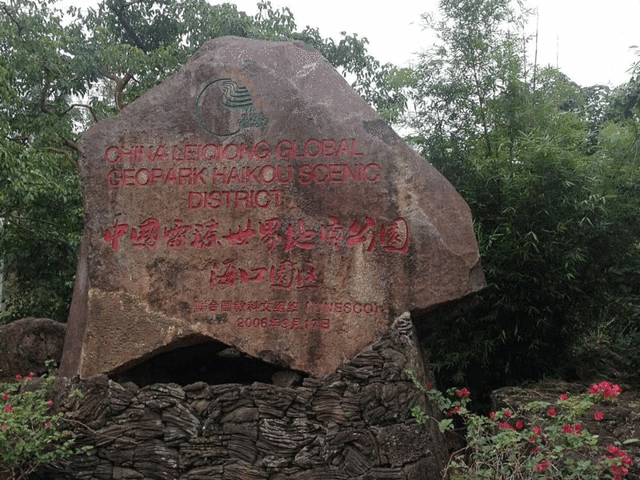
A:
x,y
606,390
539,440
28,434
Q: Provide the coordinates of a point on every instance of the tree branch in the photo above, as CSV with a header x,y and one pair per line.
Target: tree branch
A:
x,y
120,11
61,151
45,92
88,107
9,13
121,83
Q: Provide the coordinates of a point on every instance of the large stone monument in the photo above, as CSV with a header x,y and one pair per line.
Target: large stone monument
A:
x,y
255,200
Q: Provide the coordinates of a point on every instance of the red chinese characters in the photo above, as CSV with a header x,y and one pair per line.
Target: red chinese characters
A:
x,y
240,306
273,233
286,275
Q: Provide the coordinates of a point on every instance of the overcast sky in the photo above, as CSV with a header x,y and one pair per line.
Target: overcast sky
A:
x,y
589,40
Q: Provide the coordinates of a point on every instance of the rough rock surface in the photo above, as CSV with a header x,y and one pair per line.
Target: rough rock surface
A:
x,y
352,424
28,343
255,199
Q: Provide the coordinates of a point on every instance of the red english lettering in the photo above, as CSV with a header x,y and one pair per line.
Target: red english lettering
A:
x,y
175,156
113,155
343,147
353,149
184,174
191,153
294,150
311,146
372,173
257,199
263,151
160,154
316,171
208,153
250,174
283,149
289,178
305,174
233,176
198,175
336,173
171,177
268,178
129,180
142,177
196,200
328,147
235,151
215,176
156,174
114,178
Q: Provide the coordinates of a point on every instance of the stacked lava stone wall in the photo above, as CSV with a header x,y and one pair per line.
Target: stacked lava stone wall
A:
x,y
353,424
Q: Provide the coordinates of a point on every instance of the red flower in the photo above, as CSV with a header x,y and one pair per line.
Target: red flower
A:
x,y
463,392
454,410
552,412
564,397
616,451
429,385
50,403
492,415
18,377
577,428
542,466
4,428
613,391
508,414
536,450
519,425
8,408
532,439
5,396
47,424
537,430
597,416
505,426
619,470
606,389
31,375
567,429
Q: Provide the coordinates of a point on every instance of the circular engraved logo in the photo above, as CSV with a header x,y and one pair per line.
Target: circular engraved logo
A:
x,y
224,107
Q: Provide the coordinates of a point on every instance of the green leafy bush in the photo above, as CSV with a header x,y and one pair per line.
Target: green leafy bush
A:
x,y
538,440
29,437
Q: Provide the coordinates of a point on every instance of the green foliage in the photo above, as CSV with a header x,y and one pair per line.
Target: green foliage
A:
x,y
29,437
552,189
536,440
39,191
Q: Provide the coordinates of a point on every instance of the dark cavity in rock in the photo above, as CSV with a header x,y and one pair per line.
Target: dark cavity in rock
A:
x,y
211,362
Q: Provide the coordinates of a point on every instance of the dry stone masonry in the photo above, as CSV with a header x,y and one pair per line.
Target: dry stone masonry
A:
x,y
254,200
353,424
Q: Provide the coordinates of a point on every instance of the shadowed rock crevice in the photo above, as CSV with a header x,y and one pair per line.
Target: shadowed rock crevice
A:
x,y
211,362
